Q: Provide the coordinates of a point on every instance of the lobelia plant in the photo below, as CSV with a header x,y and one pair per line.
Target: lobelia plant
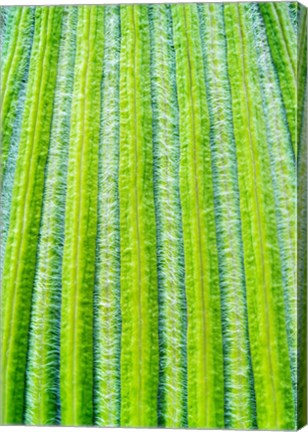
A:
x,y
154,215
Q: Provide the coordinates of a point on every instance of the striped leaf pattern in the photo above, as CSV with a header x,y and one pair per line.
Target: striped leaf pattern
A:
x,y
153,215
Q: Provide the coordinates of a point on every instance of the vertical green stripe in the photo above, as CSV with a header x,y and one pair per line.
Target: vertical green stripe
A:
x,y
239,411
42,402
169,231
153,206
301,364
78,271
287,34
11,128
283,49
20,254
266,317
12,75
139,292
204,333
301,67
283,176
107,300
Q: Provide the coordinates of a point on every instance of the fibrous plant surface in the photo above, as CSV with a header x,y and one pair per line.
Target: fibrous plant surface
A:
x,y
153,215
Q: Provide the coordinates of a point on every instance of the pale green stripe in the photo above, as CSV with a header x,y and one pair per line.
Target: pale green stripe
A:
x,y
301,66
11,42
239,411
42,392
12,76
11,134
287,35
20,255
301,378
107,300
204,346
264,284
169,231
283,50
78,270
301,371
283,173
139,291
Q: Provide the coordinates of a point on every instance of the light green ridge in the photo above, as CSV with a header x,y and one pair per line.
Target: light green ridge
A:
x,y
12,75
172,410
301,65
78,268
239,410
283,175
264,283
302,275
282,41
42,390
302,219
205,384
139,290
154,215
12,137
287,35
107,335
20,254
